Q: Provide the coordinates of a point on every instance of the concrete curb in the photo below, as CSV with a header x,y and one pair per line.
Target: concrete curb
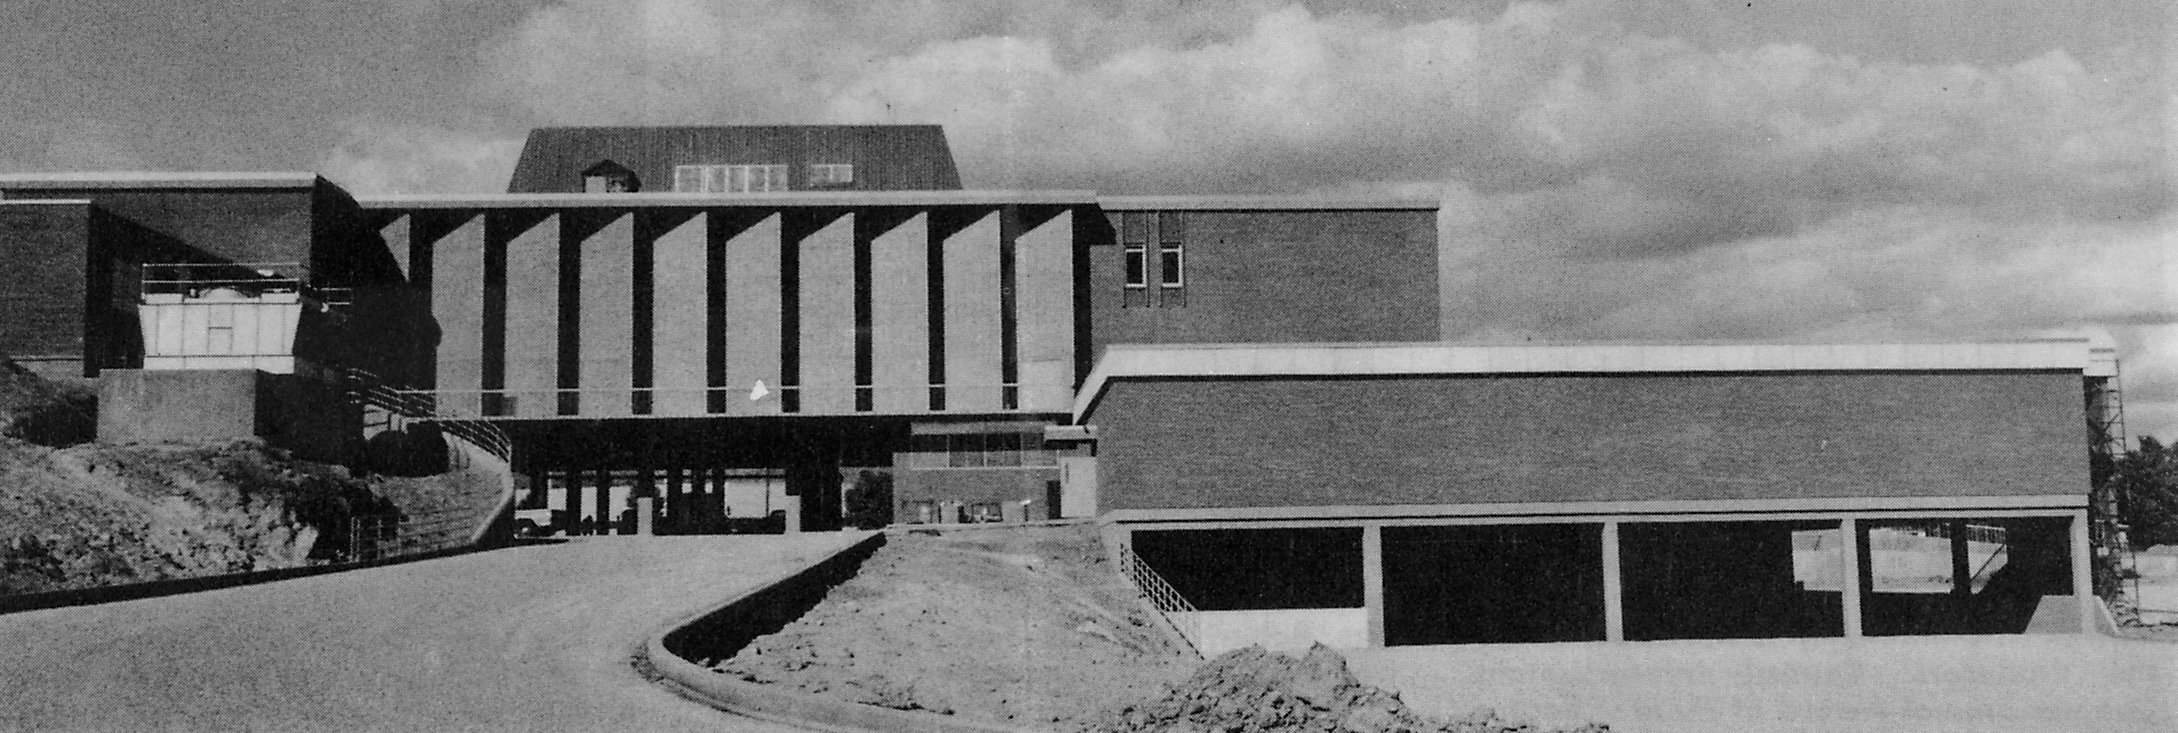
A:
x,y
740,616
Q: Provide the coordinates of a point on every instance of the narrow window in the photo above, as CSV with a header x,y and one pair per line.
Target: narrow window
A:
x,y
1170,259
1137,265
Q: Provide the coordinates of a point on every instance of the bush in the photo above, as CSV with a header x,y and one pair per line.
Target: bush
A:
x,y
869,502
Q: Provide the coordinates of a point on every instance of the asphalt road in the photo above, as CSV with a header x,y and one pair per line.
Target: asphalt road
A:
x,y
530,638
1967,684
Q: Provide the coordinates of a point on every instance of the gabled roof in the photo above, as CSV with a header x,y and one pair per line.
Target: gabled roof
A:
x,y
885,157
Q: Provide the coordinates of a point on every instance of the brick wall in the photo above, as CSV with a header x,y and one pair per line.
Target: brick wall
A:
x,y
239,225
1278,276
42,304
972,486
1310,442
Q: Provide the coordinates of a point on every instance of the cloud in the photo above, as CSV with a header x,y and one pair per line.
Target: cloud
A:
x,y
1609,170
377,157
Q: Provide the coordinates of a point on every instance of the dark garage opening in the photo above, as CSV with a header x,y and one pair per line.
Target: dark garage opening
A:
x,y
1493,584
1731,580
1258,569
1962,576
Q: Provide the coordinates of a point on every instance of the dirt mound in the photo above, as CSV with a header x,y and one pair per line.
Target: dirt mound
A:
x,y
93,515
1255,690
1027,626
39,411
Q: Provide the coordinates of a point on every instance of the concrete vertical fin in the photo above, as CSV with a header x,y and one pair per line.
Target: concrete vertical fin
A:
x,y
973,342
678,282
608,318
533,319
457,304
827,333
752,318
1044,278
900,316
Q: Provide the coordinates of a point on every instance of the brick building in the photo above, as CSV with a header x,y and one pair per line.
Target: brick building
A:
x,y
1248,392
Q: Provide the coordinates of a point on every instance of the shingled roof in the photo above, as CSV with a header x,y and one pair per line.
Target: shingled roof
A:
x,y
885,157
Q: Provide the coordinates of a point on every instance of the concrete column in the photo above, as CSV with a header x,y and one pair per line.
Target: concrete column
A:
x,y
1614,587
603,494
2083,578
1372,580
1962,571
676,507
1849,574
571,499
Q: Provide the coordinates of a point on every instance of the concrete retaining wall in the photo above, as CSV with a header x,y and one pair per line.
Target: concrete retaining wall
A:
x,y
721,632
1283,630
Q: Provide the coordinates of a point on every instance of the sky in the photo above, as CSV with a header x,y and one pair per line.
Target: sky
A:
x,y
1609,169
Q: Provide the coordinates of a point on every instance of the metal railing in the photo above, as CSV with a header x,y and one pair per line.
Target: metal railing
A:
x,y
1170,605
745,398
422,406
381,536
195,279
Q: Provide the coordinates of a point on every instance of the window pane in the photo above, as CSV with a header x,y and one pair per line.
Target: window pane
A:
x,y
967,451
717,179
1170,261
688,178
1137,267
1004,449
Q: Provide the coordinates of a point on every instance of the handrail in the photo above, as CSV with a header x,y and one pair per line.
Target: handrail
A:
x,y
417,405
1170,605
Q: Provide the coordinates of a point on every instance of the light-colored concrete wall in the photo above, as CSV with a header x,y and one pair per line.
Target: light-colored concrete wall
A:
x,y
752,317
457,304
533,319
1044,301
827,323
608,318
900,316
1282,630
972,339
680,278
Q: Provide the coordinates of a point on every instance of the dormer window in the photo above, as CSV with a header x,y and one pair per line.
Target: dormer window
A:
x,y
609,177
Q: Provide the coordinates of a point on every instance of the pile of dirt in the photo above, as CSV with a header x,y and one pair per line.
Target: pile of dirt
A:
x,y
1255,690
94,515
1027,626
40,411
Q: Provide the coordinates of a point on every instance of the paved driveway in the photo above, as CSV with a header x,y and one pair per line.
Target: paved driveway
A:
x,y
1982,684
529,638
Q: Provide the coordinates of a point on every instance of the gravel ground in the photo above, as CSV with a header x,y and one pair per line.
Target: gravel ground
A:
x,y
1027,626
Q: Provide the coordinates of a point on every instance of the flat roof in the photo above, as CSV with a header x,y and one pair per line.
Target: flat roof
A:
x,y
159,179
1429,358
1265,203
784,198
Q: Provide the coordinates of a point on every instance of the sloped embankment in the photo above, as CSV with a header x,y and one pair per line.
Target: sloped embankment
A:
x,y
1021,626
94,515
1255,690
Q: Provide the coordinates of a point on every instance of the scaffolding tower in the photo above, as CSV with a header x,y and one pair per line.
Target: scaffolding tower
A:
x,y
2107,445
